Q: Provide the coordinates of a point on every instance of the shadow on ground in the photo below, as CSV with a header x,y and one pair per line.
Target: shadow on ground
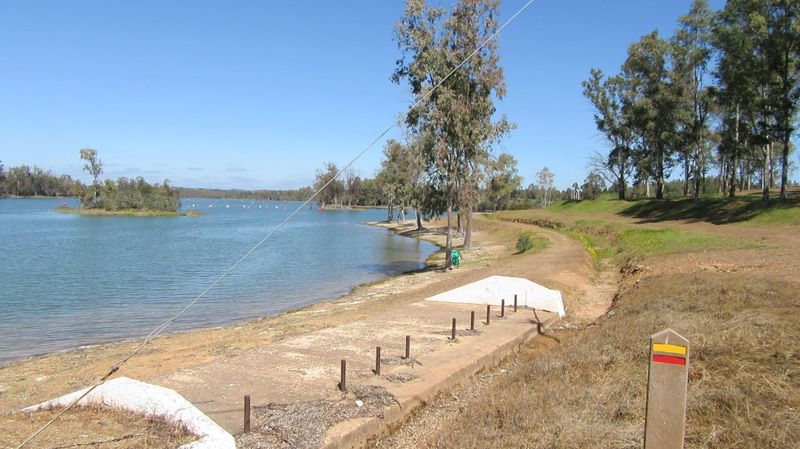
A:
x,y
712,210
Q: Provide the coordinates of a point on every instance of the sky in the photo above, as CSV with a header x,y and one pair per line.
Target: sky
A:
x,y
260,94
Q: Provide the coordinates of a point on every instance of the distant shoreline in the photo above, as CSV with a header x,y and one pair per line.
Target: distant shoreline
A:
x,y
125,213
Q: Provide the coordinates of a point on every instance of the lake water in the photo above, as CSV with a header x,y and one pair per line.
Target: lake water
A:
x,y
67,280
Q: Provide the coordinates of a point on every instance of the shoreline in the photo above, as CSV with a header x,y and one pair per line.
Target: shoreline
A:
x,y
31,379
125,212
396,227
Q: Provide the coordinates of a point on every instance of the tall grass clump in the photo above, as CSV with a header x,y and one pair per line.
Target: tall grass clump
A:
x,y
525,242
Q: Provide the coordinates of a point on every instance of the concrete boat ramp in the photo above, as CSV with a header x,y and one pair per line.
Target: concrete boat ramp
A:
x,y
306,369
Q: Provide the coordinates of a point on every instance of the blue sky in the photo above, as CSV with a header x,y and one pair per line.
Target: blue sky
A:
x,y
259,94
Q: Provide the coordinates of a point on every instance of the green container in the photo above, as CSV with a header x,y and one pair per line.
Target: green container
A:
x,y
455,256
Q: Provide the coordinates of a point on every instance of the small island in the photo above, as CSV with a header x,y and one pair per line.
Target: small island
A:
x,y
123,197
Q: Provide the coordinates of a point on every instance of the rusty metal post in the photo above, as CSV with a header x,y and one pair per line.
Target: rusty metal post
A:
x,y
488,311
515,303
246,413
453,332
343,381
502,308
538,323
408,346
472,320
377,360
666,391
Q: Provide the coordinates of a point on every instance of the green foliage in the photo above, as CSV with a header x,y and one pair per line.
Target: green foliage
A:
x,y
504,180
26,181
660,109
133,194
525,242
327,179
457,120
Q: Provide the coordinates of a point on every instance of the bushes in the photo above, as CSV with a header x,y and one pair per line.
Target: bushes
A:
x,y
525,242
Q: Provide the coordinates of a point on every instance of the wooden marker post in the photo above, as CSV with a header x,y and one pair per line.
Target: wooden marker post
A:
x,y
453,331
488,311
343,380
377,360
502,308
408,346
472,320
246,413
666,391
515,302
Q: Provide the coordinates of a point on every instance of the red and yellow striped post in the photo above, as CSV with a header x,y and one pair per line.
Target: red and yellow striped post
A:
x,y
666,391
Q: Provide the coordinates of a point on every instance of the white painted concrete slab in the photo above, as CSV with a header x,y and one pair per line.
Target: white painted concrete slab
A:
x,y
493,289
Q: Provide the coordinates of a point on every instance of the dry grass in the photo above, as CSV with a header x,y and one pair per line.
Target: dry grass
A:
x,y
95,428
589,390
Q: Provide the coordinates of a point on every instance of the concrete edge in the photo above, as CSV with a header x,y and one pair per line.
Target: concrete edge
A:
x,y
152,401
394,416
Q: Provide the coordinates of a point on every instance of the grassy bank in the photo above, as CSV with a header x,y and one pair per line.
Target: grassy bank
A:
x,y
731,290
126,212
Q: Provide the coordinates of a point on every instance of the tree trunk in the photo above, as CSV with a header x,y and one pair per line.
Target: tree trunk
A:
x,y
732,167
389,212
771,165
660,173
686,160
448,260
698,171
765,174
784,164
468,233
419,219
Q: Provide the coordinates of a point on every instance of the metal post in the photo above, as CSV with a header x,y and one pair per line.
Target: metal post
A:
x,y
502,308
343,381
488,311
377,360
472,320
453,332
515,302
408,346
246,413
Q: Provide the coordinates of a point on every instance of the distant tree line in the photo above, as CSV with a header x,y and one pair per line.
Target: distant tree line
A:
x,y
722,92
110,195
34,181
301,194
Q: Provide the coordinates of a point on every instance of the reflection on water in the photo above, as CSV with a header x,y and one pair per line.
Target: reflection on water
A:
x,y
68,280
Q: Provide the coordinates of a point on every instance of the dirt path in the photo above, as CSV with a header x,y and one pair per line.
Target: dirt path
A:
x,y
294,358
305,368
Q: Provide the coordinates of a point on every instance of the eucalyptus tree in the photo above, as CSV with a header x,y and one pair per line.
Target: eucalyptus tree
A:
x,y
610,97
691,55
393,176
653,108
504,180
328,176
742,83
94,167
457,111
783,53
544,183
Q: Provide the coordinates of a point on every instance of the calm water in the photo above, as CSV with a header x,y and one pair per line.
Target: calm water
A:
x,y
67,280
